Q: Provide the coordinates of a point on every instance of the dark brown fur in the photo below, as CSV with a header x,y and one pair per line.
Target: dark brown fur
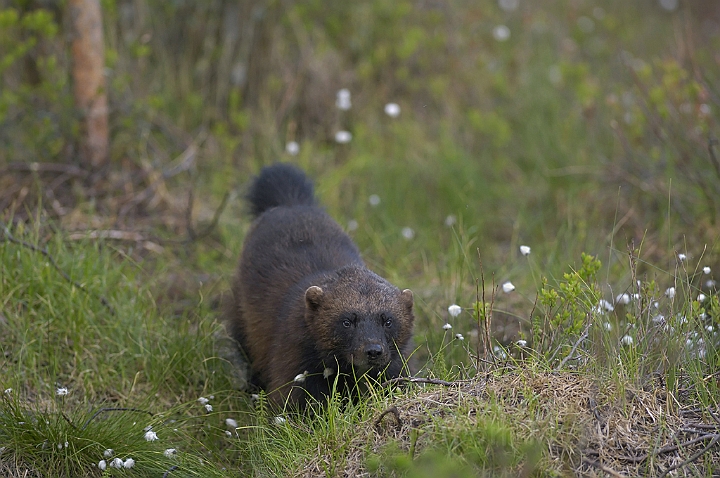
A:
x,y
304,302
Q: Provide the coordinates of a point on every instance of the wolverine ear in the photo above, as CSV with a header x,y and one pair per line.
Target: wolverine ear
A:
x,y
407,298
313,297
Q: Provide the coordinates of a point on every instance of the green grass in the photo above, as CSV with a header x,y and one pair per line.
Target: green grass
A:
x,y
584,136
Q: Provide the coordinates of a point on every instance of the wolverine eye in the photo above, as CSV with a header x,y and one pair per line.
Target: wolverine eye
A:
x,y
387,321
347,323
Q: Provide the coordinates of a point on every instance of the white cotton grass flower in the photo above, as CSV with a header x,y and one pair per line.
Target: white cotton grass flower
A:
x,y
129,463
150,435
343,137
228,433
605,305
203,400
408,233
342,99
102,464
108,453
682,257
208,407
701,297
61,391
454,310
501,33
116,463
170,452
450,220
300,378
508,287
670,292
521,343
509,5
525,250
392,110
706,270
374,200
8,391
608,326
710,284
328,372
626,340
622,299
230,422
292,148
447,327
459,336
499,352
60,446
279,420
352,225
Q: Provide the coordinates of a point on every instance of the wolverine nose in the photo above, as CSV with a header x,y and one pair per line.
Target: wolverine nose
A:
x,y
373,351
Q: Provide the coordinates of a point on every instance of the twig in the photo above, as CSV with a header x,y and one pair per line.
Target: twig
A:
x,y
669,448
389,411
103,410
7,236
694,457
434,381
604,468
574,348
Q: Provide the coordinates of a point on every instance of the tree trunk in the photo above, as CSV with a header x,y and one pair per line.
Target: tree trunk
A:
x,y
88,54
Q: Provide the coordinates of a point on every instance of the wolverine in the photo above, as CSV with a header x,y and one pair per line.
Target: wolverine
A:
x,y
306,311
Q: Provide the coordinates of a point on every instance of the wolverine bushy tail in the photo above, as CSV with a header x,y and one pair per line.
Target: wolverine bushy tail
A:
x,y
280,185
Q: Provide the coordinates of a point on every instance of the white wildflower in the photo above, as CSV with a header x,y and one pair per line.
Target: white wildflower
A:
x,y
328,372
203,400
228,433
150,436
254,397
608,326
701,297
374,200
508,287
499,352
626,340
67,444
605,305
208,407
525,250
59,446
61,391
352,225
279,420
622,299
459,336
454,310
231,423
292,148
102,465
129,463
408,233
710,284
8,391
392,110
521,343
670,292
450,220
682,257
343,137
170,452
501,33
300,378
447,327
709,328
108,453
116,463
342,100
706,270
